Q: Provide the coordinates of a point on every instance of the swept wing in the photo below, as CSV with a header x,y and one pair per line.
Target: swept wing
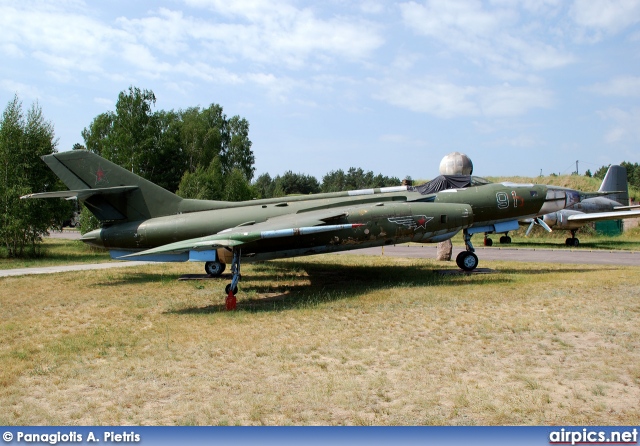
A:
x,y
598,216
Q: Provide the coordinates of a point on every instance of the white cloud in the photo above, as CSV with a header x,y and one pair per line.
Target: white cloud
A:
x,y
270,33
447,100
506,100
21,89
402,140
63,39
624,86
605,16
497,35
626,126
519,141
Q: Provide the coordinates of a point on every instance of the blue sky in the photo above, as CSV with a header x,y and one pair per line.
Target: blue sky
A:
x,y
522,87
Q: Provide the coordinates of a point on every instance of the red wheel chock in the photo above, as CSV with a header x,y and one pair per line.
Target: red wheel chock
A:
x,y
231,302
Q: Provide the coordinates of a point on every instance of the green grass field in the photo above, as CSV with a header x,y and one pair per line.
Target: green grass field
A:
x,y
334,339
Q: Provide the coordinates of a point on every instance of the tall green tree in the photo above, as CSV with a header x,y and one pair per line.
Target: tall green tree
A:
x,y
162,145
23,140
601,172
206,183
296,184
238,154
633,173
264,186
135,137
355,178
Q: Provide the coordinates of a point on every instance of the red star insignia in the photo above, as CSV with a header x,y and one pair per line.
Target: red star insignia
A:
x,y
101,175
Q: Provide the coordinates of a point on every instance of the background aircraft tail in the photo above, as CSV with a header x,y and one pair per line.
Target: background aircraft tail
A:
x,y
109,191
616,181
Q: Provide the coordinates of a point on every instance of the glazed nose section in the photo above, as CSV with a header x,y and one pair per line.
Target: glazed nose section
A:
x,y
559,198
573,197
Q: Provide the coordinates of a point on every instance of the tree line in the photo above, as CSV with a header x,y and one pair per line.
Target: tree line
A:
x,y
196,153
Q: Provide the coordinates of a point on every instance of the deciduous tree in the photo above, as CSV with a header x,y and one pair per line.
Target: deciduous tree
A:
x,y
23,140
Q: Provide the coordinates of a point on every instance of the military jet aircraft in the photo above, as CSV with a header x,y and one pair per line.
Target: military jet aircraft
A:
x,y
593,207
142,221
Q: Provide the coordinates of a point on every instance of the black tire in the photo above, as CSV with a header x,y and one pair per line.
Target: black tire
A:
x,y
214,269
467,261
507,240
488,242
228,287
576,242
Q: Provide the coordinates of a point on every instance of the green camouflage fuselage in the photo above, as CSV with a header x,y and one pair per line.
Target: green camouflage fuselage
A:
x,y
387,216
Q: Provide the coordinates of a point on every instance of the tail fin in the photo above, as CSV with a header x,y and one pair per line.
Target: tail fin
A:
x,y
109,191
616,181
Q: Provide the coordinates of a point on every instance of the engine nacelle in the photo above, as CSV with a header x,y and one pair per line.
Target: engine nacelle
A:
x,y
560,220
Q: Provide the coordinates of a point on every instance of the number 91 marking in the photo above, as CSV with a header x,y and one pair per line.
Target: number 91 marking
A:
x,y
503,200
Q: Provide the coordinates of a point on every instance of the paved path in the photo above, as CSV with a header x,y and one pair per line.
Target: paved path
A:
x,y
576,256
65,268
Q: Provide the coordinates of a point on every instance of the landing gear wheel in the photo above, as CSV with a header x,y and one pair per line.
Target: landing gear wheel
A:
x,y
467,261
572,241
227,290
214,269
505,240
488,242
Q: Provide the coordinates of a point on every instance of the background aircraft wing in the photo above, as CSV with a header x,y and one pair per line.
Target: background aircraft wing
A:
x,y
620,208
604,216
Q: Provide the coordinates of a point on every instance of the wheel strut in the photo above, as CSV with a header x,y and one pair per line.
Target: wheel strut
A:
x,y
467,240
232,288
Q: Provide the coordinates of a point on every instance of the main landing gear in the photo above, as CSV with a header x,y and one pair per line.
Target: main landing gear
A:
x,y
467,260
232,288
572,241
504,240
215,269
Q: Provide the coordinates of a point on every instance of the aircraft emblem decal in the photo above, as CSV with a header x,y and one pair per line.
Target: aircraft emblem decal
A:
x,y
412,222
101,176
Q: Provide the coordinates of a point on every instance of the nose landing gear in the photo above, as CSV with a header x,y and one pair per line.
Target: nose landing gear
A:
x,y
467,260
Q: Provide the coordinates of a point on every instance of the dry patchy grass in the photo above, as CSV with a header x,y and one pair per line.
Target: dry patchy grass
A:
x,y
327,340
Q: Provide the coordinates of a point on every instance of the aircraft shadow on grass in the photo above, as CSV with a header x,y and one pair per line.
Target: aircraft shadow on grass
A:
x,y
289,285
132,278
305,285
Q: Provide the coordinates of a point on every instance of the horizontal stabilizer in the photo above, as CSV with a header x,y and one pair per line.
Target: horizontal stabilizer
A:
x,y
82,194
